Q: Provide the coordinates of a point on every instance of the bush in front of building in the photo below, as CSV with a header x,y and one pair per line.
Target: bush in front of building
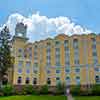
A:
x,y
28,89
86,92
60,89
44,89
7,90
96,90
75,90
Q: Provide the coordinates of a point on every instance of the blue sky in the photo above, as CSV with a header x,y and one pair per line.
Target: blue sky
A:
x,y
83,12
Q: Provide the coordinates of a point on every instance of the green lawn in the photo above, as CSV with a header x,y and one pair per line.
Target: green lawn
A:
x,y
87,98
34,98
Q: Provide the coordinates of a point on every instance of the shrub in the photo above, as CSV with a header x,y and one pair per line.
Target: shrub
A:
x,y
7,90
96,90
28,89
86,92
60,89
44,89
75,90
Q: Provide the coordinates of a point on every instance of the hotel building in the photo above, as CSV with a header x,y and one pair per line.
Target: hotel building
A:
x,y
70,60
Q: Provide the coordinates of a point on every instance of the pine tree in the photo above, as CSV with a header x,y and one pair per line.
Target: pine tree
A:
x,y
5,52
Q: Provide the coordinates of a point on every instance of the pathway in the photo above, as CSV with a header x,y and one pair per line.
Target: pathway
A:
x,y
69,97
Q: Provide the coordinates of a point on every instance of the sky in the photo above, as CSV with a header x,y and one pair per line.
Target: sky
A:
x,y
81,13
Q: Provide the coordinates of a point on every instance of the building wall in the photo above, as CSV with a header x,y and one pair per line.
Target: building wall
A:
x,y
55,59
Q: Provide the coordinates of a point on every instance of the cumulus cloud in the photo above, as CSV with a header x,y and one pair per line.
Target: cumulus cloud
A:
x,y
41,27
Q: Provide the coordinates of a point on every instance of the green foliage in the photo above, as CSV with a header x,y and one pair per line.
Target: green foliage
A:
x,y
5,59
75,90
44,89
96,90
28,89
60,88
93,90
7,90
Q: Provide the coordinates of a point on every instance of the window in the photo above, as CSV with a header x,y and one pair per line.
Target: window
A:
x,y
93,39
75,43
57,49
30,48
28,64
35,64
48,57
27,80
67,63
95,61
66,43
97,69
57,63
94,54
30,56
57,42
57,78
27,71
48,50
76,53
19,80
35,53
35,58
94,47
57,71
77,70
35,46
48,81
35,81
57,56
48,72
67,70
78,80
20,64
19,71
76,61
48,63
20,50
68,78
57,60
75,40
66,49
97,79
35,71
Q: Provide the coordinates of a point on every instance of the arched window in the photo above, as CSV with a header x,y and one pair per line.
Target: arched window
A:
x,y
19,81
35,81
27,80
78,80
48,81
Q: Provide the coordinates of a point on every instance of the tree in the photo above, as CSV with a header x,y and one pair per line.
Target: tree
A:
x,y
5,52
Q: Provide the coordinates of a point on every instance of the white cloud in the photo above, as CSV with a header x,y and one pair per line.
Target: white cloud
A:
x,y
41,27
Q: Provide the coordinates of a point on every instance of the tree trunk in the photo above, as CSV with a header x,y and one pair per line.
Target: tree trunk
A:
x,y
0,81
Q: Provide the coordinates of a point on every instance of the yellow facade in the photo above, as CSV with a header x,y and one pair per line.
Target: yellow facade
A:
x,y
71,60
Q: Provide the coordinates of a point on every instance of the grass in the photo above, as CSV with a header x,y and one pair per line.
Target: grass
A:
x,y
34,98
87,98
